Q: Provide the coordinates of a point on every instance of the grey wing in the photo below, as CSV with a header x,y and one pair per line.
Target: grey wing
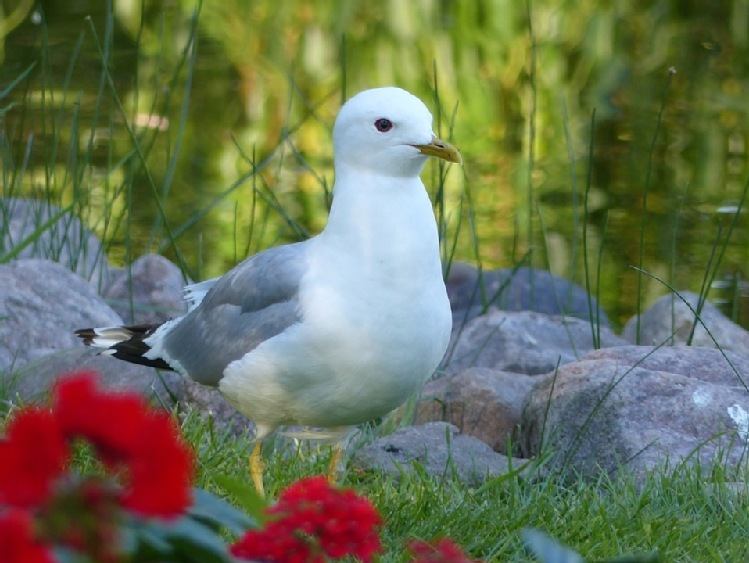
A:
x,y
255,301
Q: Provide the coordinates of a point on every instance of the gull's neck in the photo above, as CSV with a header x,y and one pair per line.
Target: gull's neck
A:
x,y
366,203
383,221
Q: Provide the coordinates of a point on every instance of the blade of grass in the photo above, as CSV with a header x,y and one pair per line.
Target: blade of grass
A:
x,y
586,216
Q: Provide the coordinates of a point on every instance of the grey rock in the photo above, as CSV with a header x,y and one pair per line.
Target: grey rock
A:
x,y
670,321
41,304
440,449
64,240
523,342
637,408
33,381
704,364
481,402
211,402
149,291
472,291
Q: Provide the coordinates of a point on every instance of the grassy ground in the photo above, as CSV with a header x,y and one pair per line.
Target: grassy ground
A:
x,y
685,517
688,516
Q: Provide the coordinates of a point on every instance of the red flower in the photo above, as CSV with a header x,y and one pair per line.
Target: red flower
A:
x,y
310,519
112,422
442,551
128,434
275,544
17,542
33,454
160,470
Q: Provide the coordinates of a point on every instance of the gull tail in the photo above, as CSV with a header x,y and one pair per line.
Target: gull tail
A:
x,y
124,343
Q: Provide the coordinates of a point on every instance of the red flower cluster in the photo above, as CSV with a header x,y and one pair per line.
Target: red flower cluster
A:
x,y
312,521
128,434
443,551
143,446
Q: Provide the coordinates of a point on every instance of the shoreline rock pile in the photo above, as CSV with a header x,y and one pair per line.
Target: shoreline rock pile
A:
x,y
525,374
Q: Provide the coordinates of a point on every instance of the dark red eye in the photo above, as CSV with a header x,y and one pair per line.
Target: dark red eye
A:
x,y
383,125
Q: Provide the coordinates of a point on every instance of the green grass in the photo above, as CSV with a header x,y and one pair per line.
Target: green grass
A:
x,y
688,516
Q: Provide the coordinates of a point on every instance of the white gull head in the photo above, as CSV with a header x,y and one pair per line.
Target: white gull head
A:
x,y
387,132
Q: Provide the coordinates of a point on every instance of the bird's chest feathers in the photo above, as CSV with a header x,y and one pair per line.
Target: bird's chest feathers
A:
x,y
381,236
378,284
364,293
374,282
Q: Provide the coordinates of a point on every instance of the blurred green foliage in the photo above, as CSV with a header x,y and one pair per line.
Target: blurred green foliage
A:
x,y
515,85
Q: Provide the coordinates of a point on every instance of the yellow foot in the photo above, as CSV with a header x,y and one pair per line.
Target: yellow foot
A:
x,y
335,462
257,466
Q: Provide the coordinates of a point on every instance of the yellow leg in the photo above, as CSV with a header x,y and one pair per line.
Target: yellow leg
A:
x,y
257,466
335,461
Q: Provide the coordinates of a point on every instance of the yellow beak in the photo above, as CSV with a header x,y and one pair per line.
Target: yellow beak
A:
x,y
441,149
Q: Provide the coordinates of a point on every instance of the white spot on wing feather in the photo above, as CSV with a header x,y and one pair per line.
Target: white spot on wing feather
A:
x,y
194,293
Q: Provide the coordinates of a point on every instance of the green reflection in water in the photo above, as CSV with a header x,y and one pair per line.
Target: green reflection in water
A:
x,y
268,77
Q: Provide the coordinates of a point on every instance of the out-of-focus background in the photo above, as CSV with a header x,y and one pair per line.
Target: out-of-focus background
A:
x,y
591,131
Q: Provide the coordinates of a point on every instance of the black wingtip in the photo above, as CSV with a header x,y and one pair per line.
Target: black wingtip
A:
x,y
130,347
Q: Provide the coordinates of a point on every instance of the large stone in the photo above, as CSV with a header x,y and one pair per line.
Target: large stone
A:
x,y
670,321
472,292
524,342
481,402
440,449
210,401
149,291
64,240
41,304
708,365
32,382
636,408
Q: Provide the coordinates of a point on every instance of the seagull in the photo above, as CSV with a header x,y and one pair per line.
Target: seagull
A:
x,y
338,329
